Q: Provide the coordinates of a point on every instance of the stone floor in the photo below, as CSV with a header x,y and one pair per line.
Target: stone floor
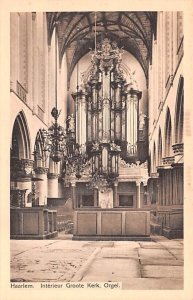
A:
x,y
138,265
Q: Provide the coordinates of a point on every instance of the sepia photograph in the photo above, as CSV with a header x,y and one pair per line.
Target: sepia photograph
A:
x,y
96,160
96,135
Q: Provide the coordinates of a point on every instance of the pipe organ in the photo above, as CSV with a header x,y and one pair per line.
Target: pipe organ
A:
x,y
107,111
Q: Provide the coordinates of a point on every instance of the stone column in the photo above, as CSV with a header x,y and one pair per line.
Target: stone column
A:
x,y
41,185
73,194
115,194
138,186
52,185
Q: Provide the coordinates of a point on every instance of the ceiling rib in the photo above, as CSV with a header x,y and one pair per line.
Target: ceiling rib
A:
x,y
132,30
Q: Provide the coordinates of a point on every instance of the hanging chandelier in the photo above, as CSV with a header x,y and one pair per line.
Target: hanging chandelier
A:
x,y
54,138
60,144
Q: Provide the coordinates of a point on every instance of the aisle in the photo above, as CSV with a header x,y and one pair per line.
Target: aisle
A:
x,y
136,265
139,265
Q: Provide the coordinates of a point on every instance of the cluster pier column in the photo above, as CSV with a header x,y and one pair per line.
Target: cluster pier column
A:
x,y
42,185
52,185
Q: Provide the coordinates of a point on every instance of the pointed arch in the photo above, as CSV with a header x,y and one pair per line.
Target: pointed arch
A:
x,y
20,144
168,133
179,113
39,153
154,161
149,165
160,148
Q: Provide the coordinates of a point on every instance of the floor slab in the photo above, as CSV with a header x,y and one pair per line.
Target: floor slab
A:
x,y
112,269
161,261
154,253
150,271
137,265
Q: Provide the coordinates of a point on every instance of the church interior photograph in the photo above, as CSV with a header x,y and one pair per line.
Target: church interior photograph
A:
x,y
96,126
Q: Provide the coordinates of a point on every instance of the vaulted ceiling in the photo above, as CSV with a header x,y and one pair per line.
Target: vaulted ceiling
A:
x,y
133,31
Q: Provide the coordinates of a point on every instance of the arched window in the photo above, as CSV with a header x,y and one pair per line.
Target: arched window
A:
x,y
168,135
154,158
39,154
179,113
160,148
20,146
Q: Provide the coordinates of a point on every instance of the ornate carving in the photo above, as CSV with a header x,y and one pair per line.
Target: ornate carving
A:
x,y
168,160
133,165
17,197
107,57
21,168
142,118
71,123
41,170
178,149
114,147
154,175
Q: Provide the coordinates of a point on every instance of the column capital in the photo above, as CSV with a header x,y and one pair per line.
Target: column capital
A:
x,y
53,176
21,168
168,160
145,182
178,149
138,182
154,175
41,170
73,183
116,183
